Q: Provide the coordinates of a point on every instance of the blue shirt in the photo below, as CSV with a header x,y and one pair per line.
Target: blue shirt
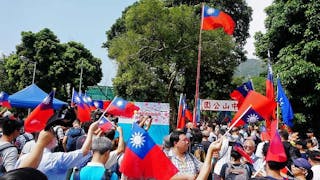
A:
x,y
55,165
93,171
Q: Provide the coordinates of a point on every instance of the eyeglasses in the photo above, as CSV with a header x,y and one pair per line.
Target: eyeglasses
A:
x,y
247,147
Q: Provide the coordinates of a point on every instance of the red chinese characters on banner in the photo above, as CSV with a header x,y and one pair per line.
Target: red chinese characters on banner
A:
x,y
218,105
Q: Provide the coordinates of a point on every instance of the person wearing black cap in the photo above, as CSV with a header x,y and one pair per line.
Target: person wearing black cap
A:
x,y
9,153
314,159
301,169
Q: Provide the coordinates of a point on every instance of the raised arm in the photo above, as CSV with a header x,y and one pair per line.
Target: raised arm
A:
x,y
34,157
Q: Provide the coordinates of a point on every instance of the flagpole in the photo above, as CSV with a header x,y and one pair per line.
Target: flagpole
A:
x,y
179,113
238,119
277,104
198,71
72,103
251,83
105,111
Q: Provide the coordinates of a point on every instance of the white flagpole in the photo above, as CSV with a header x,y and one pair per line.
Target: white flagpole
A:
x,y
230,128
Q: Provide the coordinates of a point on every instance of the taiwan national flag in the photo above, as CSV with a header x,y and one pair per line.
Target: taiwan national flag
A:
x,y
4,100
183,112
255,106
269,84
101,104
241,92
105,124
143,159
37,119
121,107
214,18
83,110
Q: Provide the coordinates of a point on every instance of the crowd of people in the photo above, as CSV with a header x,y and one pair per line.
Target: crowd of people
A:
x,y
211,150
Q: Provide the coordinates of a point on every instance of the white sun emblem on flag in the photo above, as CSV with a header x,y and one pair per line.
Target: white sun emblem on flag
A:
x,y
77,99
119,103
137,140
1,95
252,118
210,11
47,100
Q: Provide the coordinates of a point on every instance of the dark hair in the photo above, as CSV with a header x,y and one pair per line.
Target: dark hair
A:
x,y
309,176
24,173
284,134
273,165
235,154
110,134
174,137
9,126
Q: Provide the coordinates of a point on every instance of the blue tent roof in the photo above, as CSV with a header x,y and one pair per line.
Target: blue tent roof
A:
x,y
31,97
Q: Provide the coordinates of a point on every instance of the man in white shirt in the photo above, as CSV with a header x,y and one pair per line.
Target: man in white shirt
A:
x,y
314,160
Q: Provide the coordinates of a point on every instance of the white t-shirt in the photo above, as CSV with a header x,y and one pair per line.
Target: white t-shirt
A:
x,y
113,156
316,172
28,147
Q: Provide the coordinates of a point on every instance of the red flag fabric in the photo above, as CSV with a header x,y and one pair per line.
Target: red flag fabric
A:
x,y
259,103
121,107
38,118
143,159
83,110
4,100
276,150
243,153
214,18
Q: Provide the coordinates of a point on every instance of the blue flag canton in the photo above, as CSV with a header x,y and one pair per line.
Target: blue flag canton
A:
x,y
3,96
208,11
48,101
245,88
251,116
77,99
140,142
120,103
270,73
98,104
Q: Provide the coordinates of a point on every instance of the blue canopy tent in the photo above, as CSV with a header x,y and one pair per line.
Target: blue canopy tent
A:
x,y
31,97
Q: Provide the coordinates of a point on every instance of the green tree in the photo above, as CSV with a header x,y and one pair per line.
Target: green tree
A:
x,y
156,50
293,40
57,65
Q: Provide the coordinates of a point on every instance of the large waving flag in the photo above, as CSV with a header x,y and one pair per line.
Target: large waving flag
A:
x,y
121,107
4,100
214,18
286,109
87,99
144,159
37,119
254,107
83,110
241,92
183,112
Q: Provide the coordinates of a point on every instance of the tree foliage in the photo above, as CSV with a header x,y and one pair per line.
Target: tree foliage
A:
x,y
293,40
156,49
57,64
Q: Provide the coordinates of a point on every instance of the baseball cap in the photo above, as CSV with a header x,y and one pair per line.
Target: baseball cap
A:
x,y
301,162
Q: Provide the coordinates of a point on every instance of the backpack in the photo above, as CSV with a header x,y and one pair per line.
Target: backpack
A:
x,y
73,135
3,147
234,172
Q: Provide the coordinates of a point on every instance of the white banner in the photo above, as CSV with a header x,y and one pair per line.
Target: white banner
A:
x,y
160,113
218,105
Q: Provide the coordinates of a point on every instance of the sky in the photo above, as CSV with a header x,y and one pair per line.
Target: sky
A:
x,y
84,21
